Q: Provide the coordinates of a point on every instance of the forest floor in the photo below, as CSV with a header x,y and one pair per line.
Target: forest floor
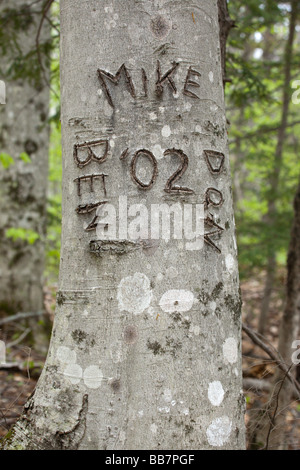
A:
x,y
24,365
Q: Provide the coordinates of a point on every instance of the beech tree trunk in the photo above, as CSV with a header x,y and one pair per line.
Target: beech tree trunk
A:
x,y
145,351
23,186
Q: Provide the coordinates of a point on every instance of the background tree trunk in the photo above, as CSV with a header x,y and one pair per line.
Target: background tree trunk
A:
x,y
289,329
272,430
274,178
145,352
23,186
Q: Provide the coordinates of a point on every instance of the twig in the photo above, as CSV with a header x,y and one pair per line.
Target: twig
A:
x,y
272,425
257,384
13,366
37,42
275,356
20,316
18,340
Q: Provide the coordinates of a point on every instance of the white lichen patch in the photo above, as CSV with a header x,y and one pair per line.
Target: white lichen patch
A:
x,y
164,409
134,293
230,350
116,352
158,152
219,431
152,116
111,18
153,428
172,272
195,329
71,188
92,377
167,395
122,437
66,355
187,107
177,301
166,131
211,77
215,393
73,372
230,263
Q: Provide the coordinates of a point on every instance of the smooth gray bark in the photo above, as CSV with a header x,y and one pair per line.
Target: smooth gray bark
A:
x,y
145,352
23,186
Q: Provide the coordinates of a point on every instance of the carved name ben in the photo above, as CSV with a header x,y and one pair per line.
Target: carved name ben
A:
x,y
97,150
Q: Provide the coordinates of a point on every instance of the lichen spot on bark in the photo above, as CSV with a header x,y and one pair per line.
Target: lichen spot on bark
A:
x,y
66,356
219,431
130,334
176,301
160,27
115,385
92,377
230,350
134,293
230,263
215,393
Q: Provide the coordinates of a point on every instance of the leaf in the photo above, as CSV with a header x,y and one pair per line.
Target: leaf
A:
x,y
25,157
30,236
6,160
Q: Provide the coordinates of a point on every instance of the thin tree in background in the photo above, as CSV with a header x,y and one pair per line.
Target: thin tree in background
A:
x,y
271,214
24,136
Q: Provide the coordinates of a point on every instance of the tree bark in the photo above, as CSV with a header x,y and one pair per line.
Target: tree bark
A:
x,y
145,351
23,186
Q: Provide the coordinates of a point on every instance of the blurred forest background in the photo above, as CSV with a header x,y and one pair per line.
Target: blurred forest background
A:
x,y
263,111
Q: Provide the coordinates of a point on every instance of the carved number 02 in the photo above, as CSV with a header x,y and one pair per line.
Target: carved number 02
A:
x,y
153,160
170,187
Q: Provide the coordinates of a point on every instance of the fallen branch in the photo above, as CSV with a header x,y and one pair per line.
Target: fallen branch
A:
x,y
18,340
20,316
13,366
251,384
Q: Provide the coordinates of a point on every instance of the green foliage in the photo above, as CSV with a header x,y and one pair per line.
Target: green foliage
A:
x,y
254,98
25,157
15,25
27,235
6,160
54,204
